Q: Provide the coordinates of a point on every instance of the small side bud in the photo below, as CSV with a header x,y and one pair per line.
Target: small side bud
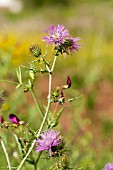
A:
x,y
32,74
6,125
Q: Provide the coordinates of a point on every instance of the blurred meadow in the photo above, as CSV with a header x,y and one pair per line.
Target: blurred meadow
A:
x,y
86,124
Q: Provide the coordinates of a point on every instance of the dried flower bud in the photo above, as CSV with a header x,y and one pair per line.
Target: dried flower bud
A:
x,y
68,85
68,82
26,90
25,142
1,99
61,94
1,119
6,124
35,50
61,99
14,119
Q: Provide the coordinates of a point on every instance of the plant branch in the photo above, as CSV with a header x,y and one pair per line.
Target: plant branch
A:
x,y
6,154
38,158
45,116
7,81
36,102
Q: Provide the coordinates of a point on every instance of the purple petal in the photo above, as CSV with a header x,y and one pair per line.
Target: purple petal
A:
x,y
56,35
108,166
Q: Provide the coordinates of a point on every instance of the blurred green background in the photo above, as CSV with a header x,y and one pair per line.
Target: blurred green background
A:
x,y
88,123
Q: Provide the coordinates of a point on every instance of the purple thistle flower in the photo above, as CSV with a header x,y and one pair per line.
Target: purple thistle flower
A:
x,y
56,35
74,46
48,140
108,166
14,119
70,45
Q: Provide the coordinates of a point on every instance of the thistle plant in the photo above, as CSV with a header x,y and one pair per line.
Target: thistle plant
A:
x,y
47,139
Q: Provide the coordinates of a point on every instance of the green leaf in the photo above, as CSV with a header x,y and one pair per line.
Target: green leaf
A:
x,y
18,86
19,75
59,114
73,99
55,120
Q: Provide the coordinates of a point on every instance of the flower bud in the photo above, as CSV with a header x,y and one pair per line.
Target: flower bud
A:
x,y
14,119
31,74
35,50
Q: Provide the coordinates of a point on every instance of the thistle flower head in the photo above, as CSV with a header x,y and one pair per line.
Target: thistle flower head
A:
x,y
14,119
56,35
73,44
35,50
108,166
70,45
48,140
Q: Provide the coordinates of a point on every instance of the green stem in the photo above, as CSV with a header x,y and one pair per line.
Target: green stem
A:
x,y
54,61
29,151
7,81
35,167
6,154
45,116
38,158
37,104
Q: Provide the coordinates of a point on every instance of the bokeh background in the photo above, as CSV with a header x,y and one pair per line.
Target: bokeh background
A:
x,y
88,123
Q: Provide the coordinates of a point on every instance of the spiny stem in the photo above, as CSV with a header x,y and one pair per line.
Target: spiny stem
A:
x,y
45,116
6,154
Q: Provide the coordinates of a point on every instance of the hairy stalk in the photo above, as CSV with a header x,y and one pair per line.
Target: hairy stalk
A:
x,y
6,154
45,116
